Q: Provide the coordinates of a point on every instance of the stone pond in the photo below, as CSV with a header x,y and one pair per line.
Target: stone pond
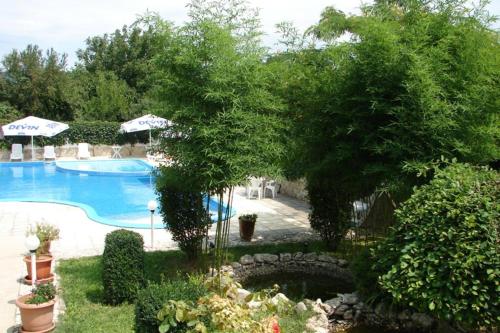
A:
x,y
323,284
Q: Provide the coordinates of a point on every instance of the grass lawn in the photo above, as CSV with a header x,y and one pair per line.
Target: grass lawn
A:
x,y
82,289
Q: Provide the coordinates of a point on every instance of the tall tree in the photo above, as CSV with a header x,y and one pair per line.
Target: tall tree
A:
x,y
226,120
417,80
35,83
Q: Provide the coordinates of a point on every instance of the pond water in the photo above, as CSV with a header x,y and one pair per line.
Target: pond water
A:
x,y
298,286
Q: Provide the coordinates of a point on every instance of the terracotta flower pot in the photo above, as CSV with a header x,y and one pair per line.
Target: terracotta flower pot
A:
x,y
247,228
37,318
43,266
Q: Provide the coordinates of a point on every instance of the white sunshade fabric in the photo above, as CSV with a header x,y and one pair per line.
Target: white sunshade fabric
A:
x,y
33,126
145,123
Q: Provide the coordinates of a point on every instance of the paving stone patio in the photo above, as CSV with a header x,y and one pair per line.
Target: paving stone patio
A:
x,y
279,220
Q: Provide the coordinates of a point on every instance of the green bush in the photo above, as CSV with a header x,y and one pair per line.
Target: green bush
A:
x,y
330,210
151,299
123,266
183,208
366,278
443,255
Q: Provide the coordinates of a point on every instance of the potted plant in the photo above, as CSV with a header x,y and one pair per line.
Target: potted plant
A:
x,y
247,226
46,233
37,309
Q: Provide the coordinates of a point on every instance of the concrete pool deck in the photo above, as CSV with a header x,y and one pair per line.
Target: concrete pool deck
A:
x,y
279,219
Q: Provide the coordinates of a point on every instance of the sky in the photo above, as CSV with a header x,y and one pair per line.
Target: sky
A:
x,y
65,24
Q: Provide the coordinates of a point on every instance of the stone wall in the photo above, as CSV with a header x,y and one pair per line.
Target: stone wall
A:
x,y
70,151
307,263
295,189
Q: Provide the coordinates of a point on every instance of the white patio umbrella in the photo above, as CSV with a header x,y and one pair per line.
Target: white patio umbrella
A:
x,y
147,122
33,126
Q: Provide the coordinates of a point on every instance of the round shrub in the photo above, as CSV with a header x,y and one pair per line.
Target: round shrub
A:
x,y
123,266
151,299
443,254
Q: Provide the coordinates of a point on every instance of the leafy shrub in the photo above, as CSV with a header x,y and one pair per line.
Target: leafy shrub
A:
x,y
330,211
151,299
42,293
183,209
123,266
222,312
366,277
443,255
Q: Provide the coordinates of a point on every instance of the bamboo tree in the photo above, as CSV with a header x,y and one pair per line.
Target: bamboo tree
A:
x,y
215,89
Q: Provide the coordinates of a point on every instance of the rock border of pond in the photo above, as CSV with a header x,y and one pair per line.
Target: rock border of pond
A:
x,y
336,314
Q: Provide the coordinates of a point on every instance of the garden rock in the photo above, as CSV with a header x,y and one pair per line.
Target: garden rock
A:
x,y
279,298
300,307
284,257
348,315
242,294
422,320
350,299
334,302
246,260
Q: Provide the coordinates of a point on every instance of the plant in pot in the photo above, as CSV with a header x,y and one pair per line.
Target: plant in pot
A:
x,y
247,226
46,233
37,309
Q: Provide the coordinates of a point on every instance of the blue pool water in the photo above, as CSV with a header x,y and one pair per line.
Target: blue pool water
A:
x,y
96,186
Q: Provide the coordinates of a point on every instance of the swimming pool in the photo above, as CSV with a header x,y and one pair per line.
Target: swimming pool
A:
x,y
113,192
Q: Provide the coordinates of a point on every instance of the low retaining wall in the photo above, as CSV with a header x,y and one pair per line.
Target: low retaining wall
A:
x,y
307,263
70,151
295,189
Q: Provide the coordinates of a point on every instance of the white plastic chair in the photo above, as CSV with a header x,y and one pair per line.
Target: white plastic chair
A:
x,y
17,152
270,185
49,153
255,185
83,151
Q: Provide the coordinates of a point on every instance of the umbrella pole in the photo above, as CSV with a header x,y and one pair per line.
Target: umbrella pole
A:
x,y
150,139
32,149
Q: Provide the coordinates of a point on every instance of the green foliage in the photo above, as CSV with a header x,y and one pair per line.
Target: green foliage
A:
x,y
184,209
8,113
443,255
416,81
35,84
214,313
366,277
216,88
330,209
109,99
248,218
151,299
42,293
123,266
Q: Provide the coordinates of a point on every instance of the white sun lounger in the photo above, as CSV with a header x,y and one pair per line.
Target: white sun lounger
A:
x,y
49,153
17,152
83,151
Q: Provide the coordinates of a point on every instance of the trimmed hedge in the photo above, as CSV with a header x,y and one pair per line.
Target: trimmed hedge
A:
x,y
93,132
123,266
152,298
